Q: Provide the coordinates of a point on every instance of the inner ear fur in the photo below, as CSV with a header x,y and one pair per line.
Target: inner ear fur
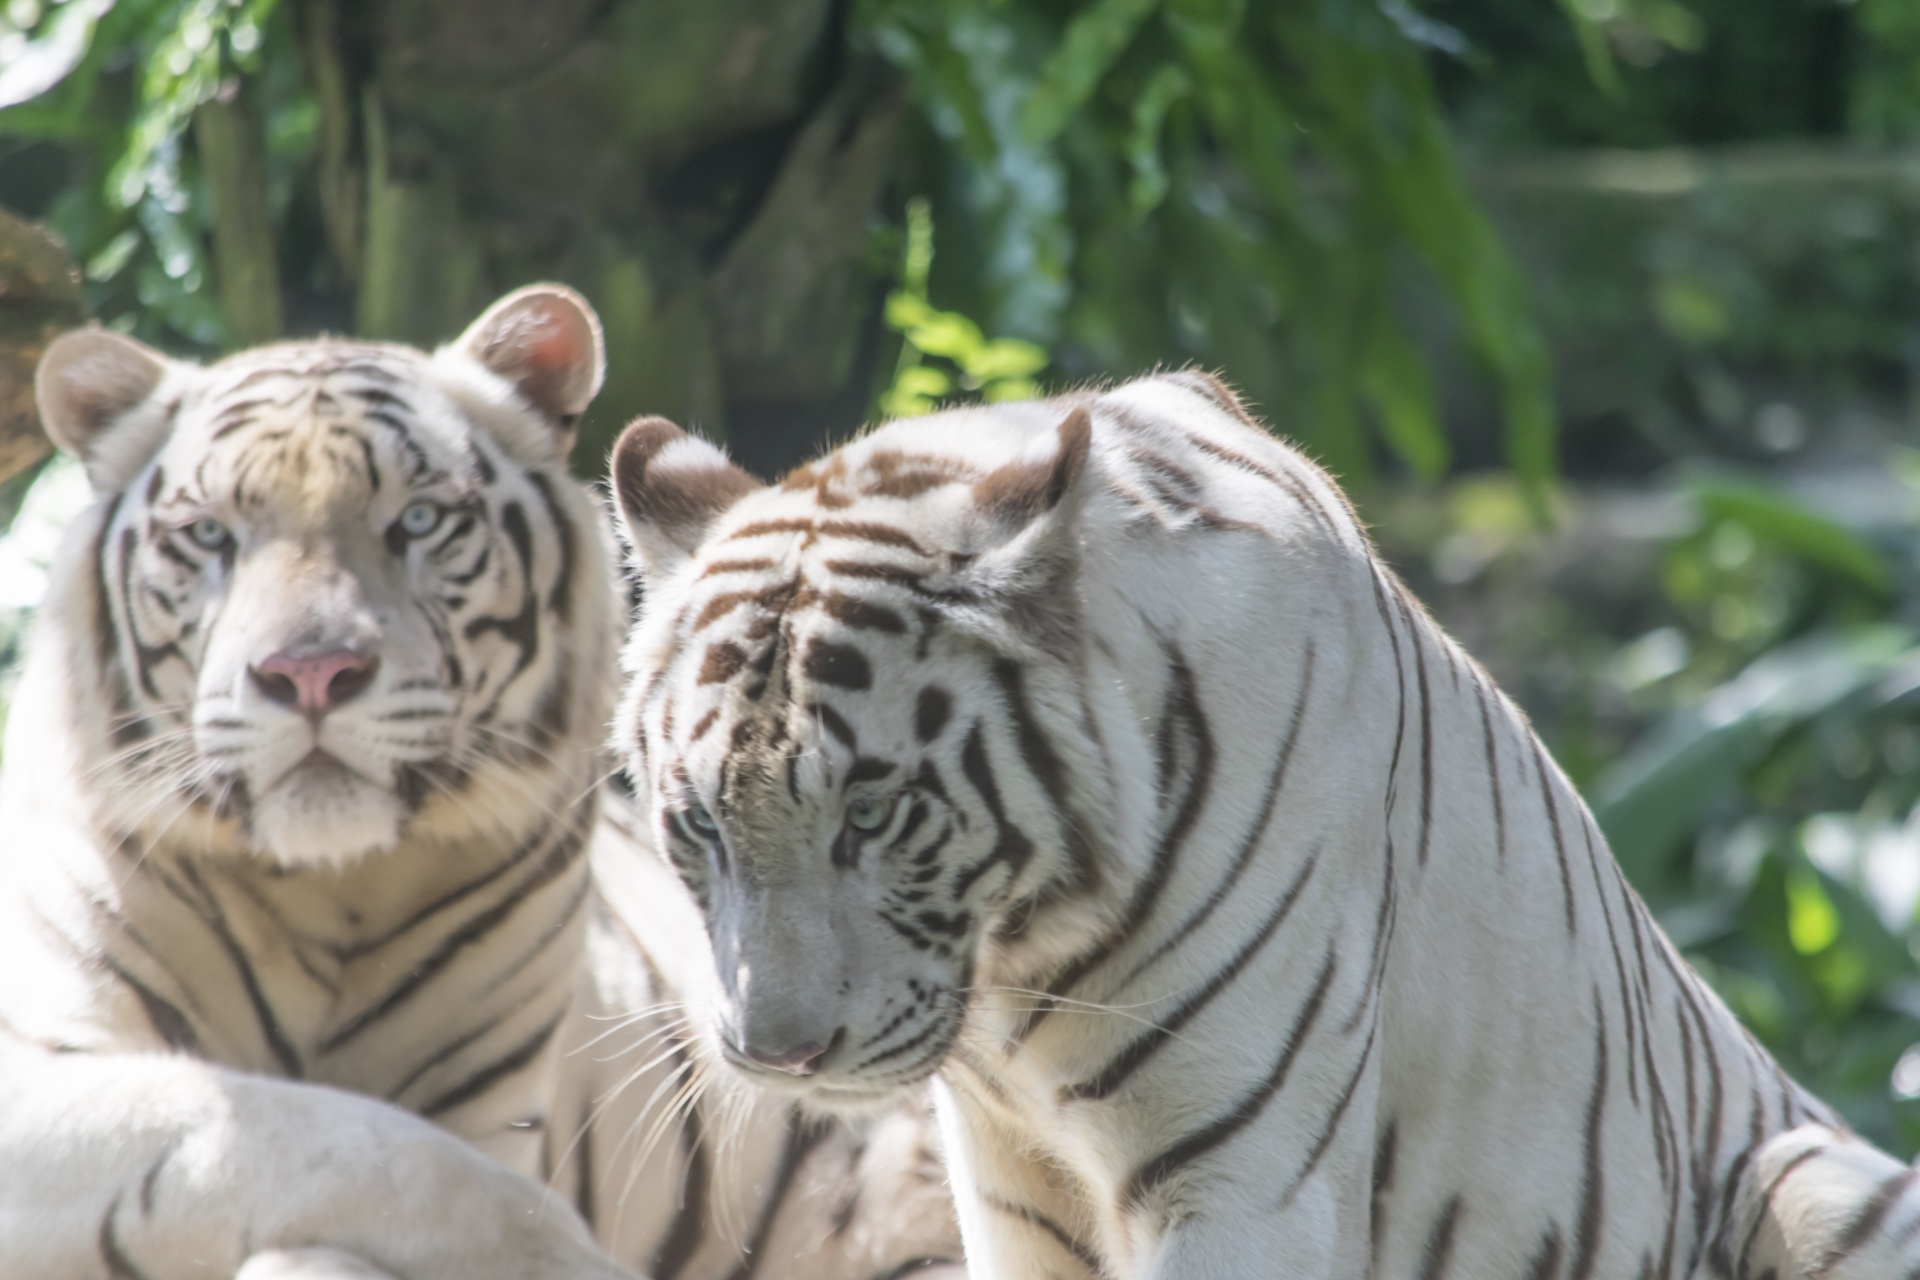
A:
x,y
671,487
1022,491
546,341
1034,499
91,382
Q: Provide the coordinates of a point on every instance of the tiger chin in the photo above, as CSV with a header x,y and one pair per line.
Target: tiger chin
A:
x,y
1082,755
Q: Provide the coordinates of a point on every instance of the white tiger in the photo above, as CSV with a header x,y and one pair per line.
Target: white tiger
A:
x,y
299,816
1081,756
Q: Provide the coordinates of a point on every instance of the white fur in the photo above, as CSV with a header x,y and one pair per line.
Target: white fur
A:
x,y
277,930
1427,968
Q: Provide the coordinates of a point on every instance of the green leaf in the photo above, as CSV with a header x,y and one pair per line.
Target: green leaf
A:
x,y
1395,380
1770,514
52,55
1093,41
1663,788
1150,182
1813,923
1005,358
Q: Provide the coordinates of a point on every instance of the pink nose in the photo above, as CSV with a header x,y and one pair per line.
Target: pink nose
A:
x,y
314,684
801,1060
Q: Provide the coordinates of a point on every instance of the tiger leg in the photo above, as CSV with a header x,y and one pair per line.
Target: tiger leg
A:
x,y
167,1168
1020,1217
1817,1203
309,1264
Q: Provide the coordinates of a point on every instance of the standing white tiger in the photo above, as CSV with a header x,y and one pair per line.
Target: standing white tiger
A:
x,y
1081,755
298,837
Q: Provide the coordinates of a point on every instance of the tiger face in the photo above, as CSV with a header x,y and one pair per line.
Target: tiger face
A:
x,y
804,672
344,592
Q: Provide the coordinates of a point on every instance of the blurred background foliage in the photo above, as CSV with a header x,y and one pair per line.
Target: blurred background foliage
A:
x,y
1608,310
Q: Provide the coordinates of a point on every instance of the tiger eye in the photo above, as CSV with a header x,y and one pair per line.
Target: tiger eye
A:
x,y
869,813
208,534
420,519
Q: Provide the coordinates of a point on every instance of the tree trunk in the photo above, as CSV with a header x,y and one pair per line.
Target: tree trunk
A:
x,y
706,174
39,299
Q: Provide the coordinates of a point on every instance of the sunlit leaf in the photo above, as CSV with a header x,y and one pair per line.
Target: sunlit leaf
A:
x,y
1812,921
53,53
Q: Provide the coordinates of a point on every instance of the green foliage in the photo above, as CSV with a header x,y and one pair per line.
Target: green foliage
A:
x,y
118,84
1133,182
993,369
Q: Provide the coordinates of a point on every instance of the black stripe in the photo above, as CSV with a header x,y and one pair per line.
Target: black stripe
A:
x,y
583,1191
1763,1204
560,599
119,1265
1059,1234
1256,833
558,859
931,713
682,1240
1493,772
1334,1117
509,1063
1873,1216
839,665
1143,1047
168,1022
802,1138
1559,838
1545,1263
1045,765
277,1042
1593,1196
1181,710
1417,634
1011,844
1386,1150
451,897
1437,1254
1192,1147
912,1265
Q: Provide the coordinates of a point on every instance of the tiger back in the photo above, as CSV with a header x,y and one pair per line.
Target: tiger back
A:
x,y
303,849
1081,757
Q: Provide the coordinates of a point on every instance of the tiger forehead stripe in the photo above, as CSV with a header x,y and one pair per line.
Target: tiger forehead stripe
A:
x,y
857,530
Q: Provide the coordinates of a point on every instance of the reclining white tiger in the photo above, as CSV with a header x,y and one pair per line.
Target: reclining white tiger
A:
x,y
1081,756
299,791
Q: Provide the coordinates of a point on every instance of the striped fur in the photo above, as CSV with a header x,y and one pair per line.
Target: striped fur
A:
x,y
207,922
1082,757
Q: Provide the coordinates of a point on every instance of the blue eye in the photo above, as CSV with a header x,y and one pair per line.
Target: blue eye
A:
x,y
700,820
869,813
208,534
421,519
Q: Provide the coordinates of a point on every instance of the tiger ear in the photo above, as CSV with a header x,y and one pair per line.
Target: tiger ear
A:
x,y
670,487
1033,503
96,391
544,340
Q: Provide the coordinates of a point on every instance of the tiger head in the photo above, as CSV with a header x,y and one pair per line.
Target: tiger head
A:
x,y
837,689
338,592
